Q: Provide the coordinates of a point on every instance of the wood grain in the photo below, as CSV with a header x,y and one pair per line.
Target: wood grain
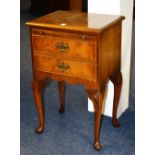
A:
x,y
66,47
76,21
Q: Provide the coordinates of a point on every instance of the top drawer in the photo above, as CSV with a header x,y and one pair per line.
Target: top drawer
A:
x,y
64,44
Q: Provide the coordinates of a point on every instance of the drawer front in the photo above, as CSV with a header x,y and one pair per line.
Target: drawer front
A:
x,y
67,67
65,47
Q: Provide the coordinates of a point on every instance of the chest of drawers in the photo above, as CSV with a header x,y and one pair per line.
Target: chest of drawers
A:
x,y
80,48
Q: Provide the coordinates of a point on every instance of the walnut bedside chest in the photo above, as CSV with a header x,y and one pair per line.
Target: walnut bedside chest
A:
x,y
77,47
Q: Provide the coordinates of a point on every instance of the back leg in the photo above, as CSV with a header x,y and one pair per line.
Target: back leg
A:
x,y
117,81
61,86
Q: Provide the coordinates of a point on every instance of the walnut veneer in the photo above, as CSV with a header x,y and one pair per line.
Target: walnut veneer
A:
x,y
80,48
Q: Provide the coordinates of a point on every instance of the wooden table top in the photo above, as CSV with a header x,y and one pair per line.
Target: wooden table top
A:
x,y
77,21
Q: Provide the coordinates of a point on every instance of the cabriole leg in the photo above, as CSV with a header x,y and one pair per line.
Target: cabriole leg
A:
x,y
37,87
117,81
97,96
61,86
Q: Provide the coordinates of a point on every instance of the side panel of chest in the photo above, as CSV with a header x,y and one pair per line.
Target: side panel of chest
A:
x,y
110,52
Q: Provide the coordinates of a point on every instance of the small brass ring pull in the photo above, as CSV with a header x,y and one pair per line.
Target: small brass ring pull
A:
x,y
63,66
62,47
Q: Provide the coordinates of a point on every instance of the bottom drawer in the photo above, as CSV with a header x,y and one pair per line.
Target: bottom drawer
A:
x,y
72,68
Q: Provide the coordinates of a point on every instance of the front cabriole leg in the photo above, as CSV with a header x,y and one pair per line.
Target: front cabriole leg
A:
x,y
97,96
37,87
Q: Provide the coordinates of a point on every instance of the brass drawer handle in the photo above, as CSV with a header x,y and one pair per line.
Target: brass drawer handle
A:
x,y
62,47
63,66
